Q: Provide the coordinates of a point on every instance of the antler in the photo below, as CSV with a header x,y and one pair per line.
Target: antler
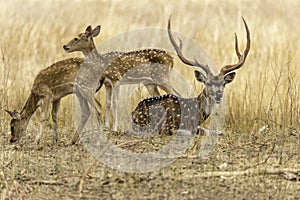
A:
x,y
178,50
242,57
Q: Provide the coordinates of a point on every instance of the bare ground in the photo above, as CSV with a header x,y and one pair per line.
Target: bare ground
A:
x,y
241,166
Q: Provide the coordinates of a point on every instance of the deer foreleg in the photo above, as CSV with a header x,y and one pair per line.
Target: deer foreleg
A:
x,y
209,131
85,113
44,103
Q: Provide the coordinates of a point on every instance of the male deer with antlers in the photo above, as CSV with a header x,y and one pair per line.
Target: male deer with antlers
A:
x,y
50,85
149,66
170,113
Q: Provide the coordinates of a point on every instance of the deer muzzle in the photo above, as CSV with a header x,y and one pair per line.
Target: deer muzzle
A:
x,y
66,48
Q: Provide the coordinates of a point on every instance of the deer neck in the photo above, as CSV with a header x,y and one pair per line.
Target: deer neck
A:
x,y
205,103
29,108
91,53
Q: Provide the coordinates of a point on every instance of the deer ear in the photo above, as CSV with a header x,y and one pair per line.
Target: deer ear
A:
x,y
200,77
96,31
229,77
14,114
88,31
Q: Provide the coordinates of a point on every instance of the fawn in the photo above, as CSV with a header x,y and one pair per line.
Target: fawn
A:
x,y
148,66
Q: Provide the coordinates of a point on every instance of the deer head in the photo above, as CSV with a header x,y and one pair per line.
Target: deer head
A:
x,y
17,127
84,41
214,84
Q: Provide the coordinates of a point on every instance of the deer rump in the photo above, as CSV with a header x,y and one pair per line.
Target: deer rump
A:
x,y
166,114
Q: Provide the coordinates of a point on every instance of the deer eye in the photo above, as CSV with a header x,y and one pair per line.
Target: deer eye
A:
x,y
75,39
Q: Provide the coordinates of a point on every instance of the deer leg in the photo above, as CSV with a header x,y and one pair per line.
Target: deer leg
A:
x,y
94,103
43,118
168,89
108,89
98,108
85,113
55,108
152,89
115,107
202,130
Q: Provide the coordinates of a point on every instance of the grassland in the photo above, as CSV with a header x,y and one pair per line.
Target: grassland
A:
x,y
247,163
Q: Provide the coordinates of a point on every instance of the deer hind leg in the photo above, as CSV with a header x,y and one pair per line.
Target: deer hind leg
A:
x,y
54,114
152,89
108,89
98,109
115,106
168,89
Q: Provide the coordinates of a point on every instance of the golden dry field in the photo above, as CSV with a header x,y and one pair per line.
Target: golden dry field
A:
x,y
257,157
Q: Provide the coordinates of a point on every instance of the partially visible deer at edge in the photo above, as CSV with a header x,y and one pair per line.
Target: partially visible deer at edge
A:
x,y
50,85
188,113
149,66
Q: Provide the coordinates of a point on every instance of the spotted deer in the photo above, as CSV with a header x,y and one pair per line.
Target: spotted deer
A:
x,y
50,85
148,66
169,112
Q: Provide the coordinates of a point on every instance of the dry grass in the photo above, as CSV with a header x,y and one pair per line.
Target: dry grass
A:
x,y
265,93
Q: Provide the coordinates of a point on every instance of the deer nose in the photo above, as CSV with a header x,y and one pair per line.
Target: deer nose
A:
x,y
218,98
66,47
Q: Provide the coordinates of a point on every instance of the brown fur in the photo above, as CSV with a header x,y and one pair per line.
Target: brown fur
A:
x,y
50,85
149,66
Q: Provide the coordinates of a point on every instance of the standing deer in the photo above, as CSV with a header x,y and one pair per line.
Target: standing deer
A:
x,y
169,112
149,66
50,85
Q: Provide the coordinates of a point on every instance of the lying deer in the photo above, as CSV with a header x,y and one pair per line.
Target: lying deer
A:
x,y
50,85
149,66
169,112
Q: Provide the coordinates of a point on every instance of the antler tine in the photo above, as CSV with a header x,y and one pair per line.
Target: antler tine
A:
x,y
178,50
242,57
237,46
197,64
